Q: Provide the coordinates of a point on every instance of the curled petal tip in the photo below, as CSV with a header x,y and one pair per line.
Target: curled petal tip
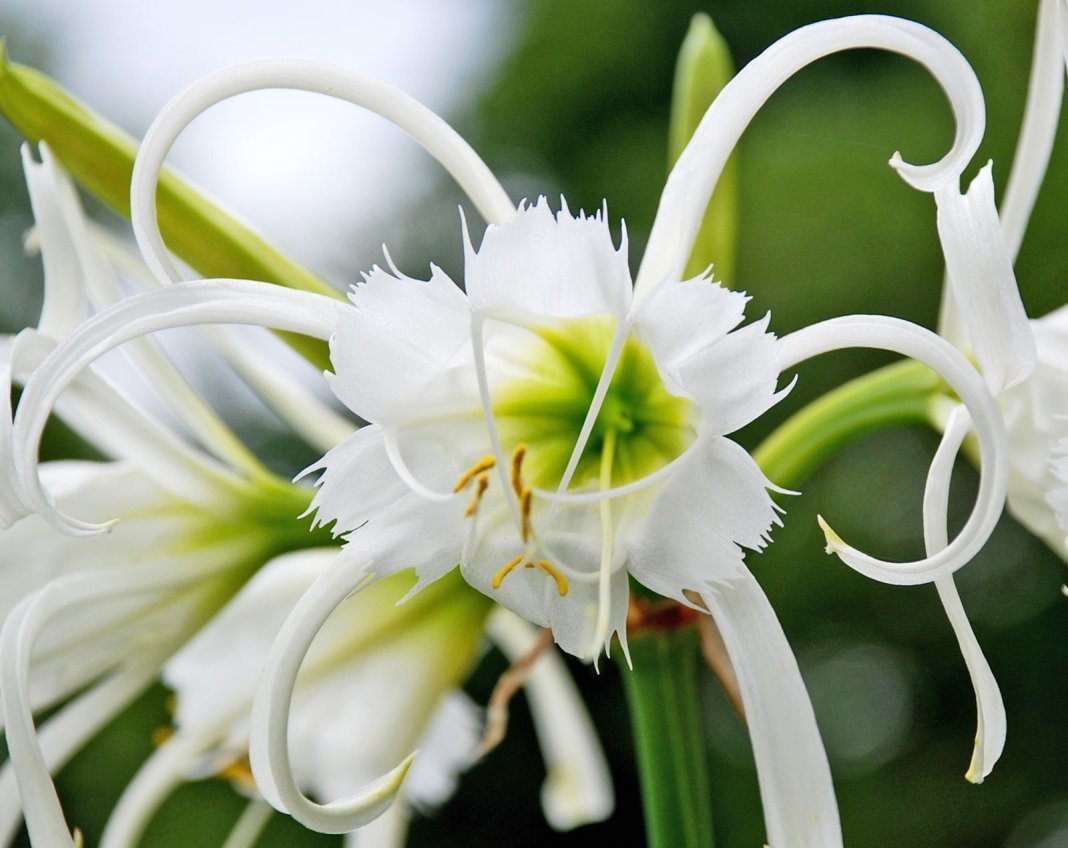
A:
x,y
835,543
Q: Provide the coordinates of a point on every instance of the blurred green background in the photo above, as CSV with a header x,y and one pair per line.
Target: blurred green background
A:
x,y
579,107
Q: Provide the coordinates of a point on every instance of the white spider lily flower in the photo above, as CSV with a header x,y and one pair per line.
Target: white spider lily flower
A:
x,y
553,429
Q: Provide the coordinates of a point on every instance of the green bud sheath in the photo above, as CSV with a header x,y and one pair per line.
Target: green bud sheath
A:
x,y
704,67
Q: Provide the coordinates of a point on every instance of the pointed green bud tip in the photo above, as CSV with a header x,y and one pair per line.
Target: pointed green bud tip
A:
x,y
703,69
704,66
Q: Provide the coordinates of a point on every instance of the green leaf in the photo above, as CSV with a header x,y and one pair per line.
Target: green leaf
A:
x,y
703,68
100,156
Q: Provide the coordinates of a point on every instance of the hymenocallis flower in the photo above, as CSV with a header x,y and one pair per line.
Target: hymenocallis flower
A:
x,y
552,427
89,622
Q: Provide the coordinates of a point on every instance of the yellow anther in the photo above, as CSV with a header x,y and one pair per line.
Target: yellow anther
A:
x,y
480,489
554,573
161,734
525,561
239,772
484,464
517,468
525,500
498,578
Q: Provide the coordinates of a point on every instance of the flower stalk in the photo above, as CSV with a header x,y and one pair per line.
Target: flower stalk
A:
x,y
662,693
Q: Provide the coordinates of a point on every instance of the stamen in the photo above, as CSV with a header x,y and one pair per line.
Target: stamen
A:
x,y
517,469
525,560
506,688
498,578
525,504
239,772
554,573
484,464
161,735
480,489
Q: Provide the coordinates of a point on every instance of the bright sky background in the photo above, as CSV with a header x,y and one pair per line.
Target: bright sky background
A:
x,y
306,170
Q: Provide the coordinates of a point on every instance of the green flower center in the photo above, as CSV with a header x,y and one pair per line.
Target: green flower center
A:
x,y
545,404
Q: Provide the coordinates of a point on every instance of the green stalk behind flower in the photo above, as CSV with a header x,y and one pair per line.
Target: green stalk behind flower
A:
x,y
100,156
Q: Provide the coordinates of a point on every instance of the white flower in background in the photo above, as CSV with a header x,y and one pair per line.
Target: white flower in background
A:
x,y
555,430
1024,363
379,682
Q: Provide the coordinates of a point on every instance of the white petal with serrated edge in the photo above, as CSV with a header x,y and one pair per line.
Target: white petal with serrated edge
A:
x,y
679,320
572,544
402,334
733,380
893,334
694,176
795,780
711,508
990,709
357,481
984,286
545,265
578,785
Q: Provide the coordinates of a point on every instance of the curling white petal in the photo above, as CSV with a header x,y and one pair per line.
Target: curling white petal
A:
x,y
795,779
1045,91
990,721
310,418
389,830
870,331
74,267
439,139
224,301
984,285
578,785
64,733
43,812
692,180
269,736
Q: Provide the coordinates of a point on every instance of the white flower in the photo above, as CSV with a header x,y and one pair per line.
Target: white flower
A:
x,y
96,618
555,430
1024,363
109,610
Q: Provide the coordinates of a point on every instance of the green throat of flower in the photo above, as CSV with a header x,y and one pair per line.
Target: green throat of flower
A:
x,y
640,425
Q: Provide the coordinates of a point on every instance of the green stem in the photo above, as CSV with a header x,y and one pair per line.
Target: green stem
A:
x,y
669,738
897,394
